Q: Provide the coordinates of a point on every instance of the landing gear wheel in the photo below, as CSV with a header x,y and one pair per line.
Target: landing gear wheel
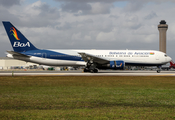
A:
x,y
95,70
158,71
92,71
86,70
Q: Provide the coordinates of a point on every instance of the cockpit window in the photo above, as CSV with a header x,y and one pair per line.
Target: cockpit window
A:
x,y
165,55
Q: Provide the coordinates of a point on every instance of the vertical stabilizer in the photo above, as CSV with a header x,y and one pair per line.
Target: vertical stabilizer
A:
x,y
18,41
172,64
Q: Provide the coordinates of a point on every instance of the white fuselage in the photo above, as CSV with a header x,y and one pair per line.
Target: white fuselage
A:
x,y
73,58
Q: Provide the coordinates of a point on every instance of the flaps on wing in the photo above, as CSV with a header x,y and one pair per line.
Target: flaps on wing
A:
x,y
94,58
17,54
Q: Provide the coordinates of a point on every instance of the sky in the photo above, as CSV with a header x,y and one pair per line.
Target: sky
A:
x,y
89,24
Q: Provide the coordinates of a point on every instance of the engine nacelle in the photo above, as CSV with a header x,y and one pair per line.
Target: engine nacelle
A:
x,y
119,65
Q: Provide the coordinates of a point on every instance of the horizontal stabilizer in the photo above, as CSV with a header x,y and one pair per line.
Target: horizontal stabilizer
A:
x,y
17,54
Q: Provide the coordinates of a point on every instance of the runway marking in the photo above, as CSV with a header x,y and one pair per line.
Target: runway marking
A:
x,y
102,73
53,74
165,75
83,74
48,74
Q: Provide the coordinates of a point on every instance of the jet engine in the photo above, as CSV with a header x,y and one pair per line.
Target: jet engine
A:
x,y
119,65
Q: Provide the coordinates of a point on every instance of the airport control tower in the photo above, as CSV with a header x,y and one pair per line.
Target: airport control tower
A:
x,y
162,35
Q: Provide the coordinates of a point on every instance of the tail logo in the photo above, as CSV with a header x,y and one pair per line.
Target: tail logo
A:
x,y
12,29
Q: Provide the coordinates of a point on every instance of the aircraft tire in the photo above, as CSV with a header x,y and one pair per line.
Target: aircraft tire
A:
x,y
92,71
158,71
86,70
95,70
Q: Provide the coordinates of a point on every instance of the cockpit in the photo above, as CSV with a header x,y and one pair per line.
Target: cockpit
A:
x,y
168,59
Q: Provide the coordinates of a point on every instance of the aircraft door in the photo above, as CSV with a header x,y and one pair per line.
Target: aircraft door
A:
x,y
157,56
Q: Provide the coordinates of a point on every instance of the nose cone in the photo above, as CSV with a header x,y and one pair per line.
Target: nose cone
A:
x,y
169,59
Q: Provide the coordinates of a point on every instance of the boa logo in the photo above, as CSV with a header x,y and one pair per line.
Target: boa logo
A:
x,y
12,29
18,44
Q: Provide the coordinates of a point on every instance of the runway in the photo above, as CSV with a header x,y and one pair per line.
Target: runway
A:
x,y
80,73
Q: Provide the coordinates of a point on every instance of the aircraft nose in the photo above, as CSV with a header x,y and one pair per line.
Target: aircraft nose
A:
x,y
169,59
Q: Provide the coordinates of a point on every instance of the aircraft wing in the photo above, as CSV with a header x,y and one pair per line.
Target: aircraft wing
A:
x,y
95,59
17,54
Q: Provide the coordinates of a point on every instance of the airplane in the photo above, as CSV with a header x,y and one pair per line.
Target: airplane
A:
x,y
172,65
93,60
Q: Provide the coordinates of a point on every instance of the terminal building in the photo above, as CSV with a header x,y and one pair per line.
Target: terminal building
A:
x,y
9,63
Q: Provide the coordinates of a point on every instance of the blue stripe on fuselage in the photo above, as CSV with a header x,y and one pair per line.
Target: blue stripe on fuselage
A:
x,y
52,55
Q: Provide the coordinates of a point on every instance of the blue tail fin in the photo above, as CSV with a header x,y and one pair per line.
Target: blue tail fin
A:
x,y
17,39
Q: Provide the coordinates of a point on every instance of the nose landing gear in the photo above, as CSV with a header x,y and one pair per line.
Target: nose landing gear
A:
x,y
158,69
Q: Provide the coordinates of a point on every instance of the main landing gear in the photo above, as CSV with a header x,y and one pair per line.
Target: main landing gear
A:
x,y
91,67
